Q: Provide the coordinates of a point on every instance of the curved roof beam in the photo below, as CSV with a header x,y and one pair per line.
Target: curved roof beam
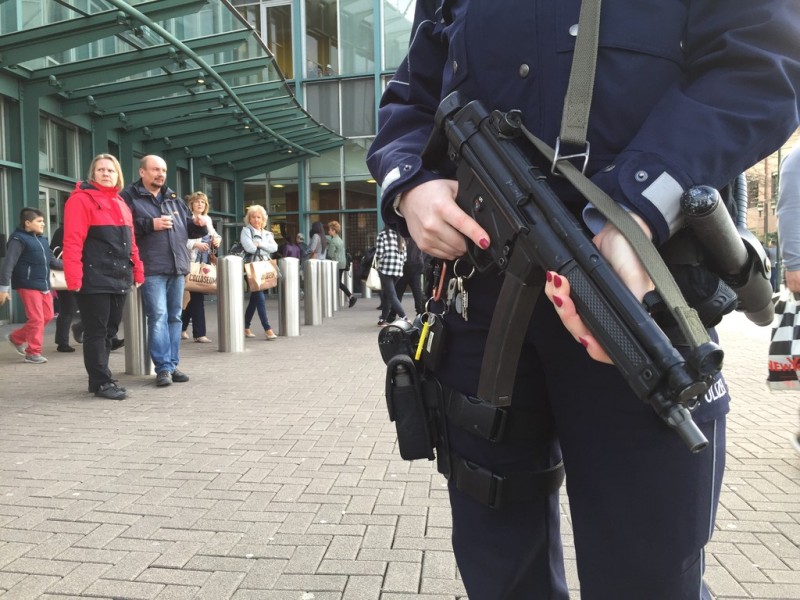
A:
x,y
210,72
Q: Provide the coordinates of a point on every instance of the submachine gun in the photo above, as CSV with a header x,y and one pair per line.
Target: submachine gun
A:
x,y
531,232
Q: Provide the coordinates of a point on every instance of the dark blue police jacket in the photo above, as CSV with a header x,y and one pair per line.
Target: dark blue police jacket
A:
x,y
686,92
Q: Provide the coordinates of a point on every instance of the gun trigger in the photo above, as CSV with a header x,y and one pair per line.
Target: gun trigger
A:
x,y
653,302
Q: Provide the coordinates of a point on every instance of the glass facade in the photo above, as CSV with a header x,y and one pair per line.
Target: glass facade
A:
x,y
327,57
340,66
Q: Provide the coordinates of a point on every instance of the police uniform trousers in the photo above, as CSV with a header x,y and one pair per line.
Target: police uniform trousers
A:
x,y
642,506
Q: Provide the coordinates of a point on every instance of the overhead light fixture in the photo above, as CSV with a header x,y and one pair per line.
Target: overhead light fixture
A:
x,y
324,183
371,181
201,78
277,185
246,123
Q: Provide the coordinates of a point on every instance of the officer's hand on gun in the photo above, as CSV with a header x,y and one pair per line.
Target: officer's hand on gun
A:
x,y
438,226
619,253
436,222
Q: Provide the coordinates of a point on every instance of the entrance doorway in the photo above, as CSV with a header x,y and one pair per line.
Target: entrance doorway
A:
x,y
52,197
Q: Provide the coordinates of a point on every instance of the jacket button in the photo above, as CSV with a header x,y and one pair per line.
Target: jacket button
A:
x,y
641,176
573,30
524,70
455,66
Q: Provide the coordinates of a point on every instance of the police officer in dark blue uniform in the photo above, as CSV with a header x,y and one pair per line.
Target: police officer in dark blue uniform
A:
x,y
686,92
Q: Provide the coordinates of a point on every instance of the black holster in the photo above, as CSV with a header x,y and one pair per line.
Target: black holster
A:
x,y
412,403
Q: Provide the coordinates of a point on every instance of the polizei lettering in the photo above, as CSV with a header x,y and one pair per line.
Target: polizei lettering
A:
x,y
716,391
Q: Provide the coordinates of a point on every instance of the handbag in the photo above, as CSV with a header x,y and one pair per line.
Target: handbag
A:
x,y
374,278
261,274
58,280
202,278
237,250
784,346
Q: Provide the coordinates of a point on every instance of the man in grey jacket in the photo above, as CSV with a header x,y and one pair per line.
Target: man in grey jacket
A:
x,y
789,229
163,224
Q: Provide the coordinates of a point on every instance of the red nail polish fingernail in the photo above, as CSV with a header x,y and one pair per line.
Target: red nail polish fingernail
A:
x,y
557,280
557,301
549,276
483,243
584,341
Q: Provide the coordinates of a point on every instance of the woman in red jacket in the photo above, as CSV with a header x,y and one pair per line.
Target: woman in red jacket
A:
x,y
101,262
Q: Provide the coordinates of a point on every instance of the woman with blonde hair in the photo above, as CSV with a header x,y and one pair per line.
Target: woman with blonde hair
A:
x,y
199,251
258,243
101,262
337,252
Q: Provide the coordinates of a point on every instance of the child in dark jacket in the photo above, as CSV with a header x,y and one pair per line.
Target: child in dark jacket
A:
x,y
27,270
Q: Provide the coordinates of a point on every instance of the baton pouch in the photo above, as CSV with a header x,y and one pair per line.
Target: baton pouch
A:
x,y
406,405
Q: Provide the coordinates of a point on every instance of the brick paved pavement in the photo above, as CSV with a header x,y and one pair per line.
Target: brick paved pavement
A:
x,y
273,475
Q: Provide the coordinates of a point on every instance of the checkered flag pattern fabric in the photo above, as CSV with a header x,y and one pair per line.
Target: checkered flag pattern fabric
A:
x,y
784,347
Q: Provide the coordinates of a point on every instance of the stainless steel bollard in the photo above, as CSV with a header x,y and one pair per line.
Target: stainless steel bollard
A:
x,y
288,297
333,290
313,291
134,325
230,308
365,291
327,295
348,283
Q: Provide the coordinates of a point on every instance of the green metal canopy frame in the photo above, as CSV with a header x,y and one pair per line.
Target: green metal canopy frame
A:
x,y
239,115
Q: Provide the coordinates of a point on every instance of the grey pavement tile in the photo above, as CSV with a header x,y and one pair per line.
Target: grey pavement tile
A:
x,y
311,582
30,587
130,590
80,578
173,576
219,586
178,592
363,587
402,577
352,567
8,580
306,559
208,491
776,591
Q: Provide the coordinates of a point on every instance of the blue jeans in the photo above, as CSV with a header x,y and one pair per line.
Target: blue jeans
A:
x,y
163,297
257,303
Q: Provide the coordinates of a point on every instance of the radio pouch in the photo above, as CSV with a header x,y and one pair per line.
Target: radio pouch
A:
x,y
406,406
